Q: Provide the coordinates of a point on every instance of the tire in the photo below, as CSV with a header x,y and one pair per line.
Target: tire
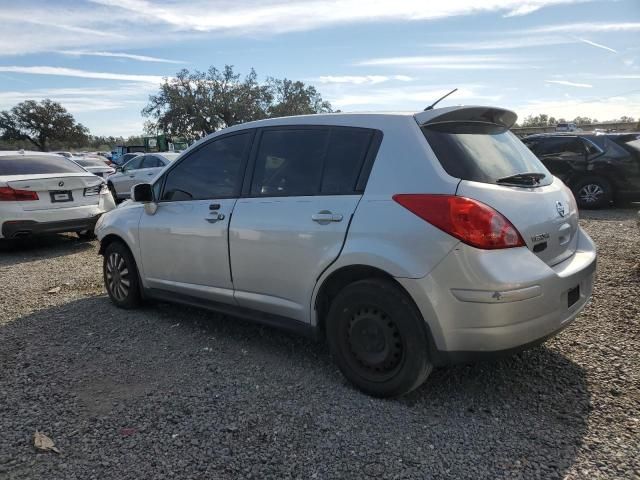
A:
x,y
593,192
119,267
378,338
113,192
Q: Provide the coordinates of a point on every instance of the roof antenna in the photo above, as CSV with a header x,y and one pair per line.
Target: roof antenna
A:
x,y
430,107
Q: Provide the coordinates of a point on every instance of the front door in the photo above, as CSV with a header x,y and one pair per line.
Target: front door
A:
x,y
184,245
294,223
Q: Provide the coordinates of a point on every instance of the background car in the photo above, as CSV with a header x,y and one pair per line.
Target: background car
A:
x,y
123,159
96,166
567,127
599,168
142,168
47,193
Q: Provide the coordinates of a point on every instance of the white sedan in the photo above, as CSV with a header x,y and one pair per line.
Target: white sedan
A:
x,y
44,193
140,169
96,166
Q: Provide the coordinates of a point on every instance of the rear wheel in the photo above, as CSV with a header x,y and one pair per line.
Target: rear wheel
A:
x,y
378,338
121,276
593,192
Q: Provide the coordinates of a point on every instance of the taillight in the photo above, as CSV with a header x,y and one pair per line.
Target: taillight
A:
x,y
469,220
8,194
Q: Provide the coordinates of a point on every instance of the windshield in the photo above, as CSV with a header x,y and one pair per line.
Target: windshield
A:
x,y
36,164
482,153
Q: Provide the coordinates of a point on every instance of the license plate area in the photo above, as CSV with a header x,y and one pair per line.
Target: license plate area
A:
x,y
59,196
573,295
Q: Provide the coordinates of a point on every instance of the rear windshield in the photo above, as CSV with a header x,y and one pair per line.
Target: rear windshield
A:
x,y
483,153
36,164
90,163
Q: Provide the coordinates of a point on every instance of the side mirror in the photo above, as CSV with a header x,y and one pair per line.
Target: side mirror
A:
x,y
118,168
142,193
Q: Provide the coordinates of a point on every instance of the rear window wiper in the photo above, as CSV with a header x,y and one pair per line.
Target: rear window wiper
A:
x,y
527,178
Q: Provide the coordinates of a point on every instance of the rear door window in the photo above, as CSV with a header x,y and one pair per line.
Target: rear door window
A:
x,y
310,161
289,162
346,153
37,164
481,153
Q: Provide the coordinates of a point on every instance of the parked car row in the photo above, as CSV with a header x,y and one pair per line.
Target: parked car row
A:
x,y
407,241
599,168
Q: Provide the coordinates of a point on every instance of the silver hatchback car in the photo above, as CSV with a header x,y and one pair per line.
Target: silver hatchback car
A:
x,y
408,241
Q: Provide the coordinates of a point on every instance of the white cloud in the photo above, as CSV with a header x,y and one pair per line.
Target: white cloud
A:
x,y
82,99
362,79
585,27
412,98
72,72
569,84
602,109
598,45
129,56
279,16
506,43
447,62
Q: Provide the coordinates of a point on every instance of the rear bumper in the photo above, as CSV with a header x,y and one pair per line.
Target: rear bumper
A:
x,y
485,303
26,228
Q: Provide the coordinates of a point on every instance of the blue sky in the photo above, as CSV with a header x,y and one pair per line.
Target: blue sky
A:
x,y
102,58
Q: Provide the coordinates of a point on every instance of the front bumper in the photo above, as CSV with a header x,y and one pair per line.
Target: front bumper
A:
x,y
27,228
480,303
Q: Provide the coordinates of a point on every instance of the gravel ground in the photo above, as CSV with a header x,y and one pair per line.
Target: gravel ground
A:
x,y
171,392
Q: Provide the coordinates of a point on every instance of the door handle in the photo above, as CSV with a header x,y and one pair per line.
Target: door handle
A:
x,y
150,173
216,216
325,217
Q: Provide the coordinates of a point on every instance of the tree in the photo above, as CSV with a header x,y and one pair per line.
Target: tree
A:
x,y
41,123
294,98
194,104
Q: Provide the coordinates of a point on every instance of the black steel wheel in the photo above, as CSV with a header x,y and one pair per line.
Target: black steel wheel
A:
x,y
378,338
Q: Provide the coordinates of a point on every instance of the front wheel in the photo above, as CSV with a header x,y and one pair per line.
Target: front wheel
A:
x,y
593,192
121,276
378,338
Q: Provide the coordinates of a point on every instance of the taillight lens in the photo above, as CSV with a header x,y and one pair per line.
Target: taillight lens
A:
x,y
8,194
469,220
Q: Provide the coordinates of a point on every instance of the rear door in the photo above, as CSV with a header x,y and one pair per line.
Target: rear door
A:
x,y
293,219
562,155
544,212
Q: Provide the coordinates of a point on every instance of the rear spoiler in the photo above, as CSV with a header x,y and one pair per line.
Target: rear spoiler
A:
x,y
471,114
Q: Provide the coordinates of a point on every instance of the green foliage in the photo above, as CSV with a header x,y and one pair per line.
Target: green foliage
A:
x,y
194,104
40,124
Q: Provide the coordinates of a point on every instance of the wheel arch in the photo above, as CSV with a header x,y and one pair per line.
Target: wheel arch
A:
x,y
346,275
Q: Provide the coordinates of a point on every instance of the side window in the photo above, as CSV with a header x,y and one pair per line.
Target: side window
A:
x,y
562,146
345,156
289,162
151,161
212,171
134,163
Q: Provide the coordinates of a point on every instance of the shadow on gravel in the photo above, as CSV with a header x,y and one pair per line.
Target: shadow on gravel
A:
x,y
629,212
13,252
173,392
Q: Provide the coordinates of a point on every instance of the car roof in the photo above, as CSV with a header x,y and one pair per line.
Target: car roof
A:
x,y
29,153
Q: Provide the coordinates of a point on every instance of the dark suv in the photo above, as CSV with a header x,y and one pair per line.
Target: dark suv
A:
x,y
599,168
